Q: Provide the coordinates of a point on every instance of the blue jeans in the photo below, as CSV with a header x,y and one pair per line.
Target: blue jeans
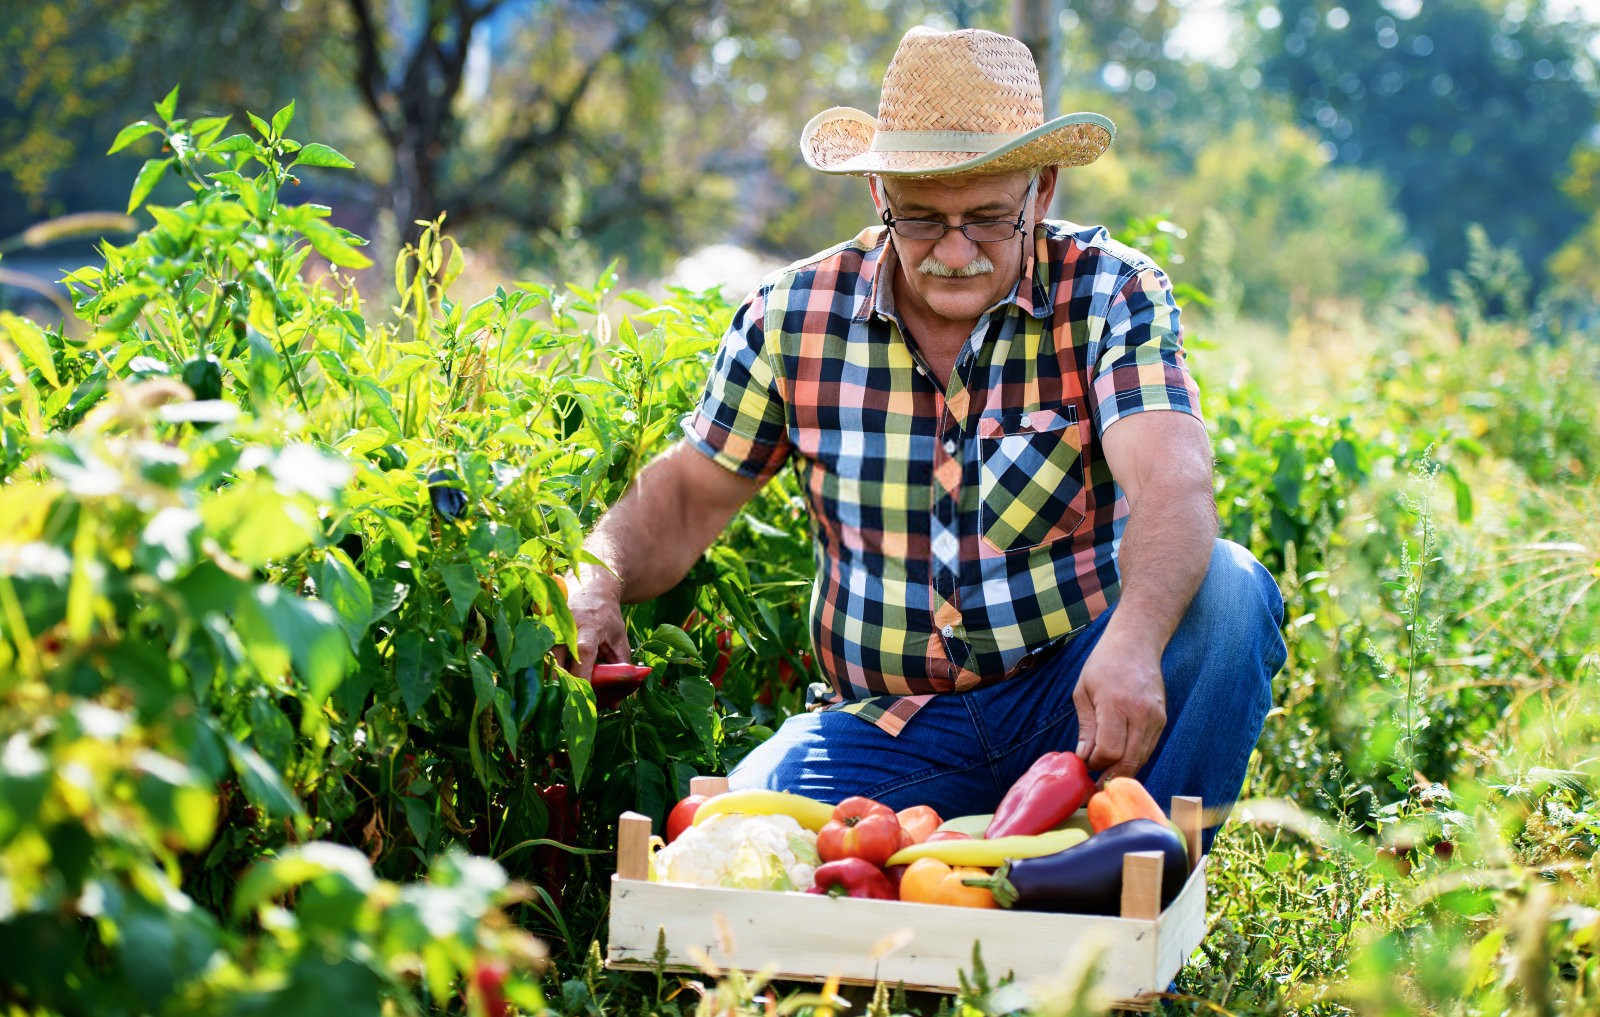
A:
x,y
962,751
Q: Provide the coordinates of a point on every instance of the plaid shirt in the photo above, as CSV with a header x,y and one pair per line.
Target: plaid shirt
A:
x,y
959,534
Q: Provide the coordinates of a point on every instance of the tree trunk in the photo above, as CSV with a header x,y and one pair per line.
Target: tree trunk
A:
x,y
1038,24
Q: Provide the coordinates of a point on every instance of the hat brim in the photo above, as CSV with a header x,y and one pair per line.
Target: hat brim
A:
x,y
839,141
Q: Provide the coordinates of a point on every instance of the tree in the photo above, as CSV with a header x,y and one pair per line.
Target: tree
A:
x,y
1471,110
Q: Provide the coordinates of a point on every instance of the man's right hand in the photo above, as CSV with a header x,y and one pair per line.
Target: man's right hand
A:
x,y
596,606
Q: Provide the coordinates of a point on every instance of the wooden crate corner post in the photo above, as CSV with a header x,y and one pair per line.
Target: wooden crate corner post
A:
x,y
633,846
1188,813
1141,885
708,786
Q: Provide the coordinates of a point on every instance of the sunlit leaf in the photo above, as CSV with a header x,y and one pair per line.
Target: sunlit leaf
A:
x,y
318,154
131,133
149,175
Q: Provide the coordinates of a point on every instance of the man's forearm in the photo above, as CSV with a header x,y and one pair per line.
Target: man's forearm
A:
x,y
1166,550
670,514
641,540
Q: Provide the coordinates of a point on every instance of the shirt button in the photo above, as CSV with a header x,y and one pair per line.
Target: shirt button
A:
x,y
1025,422
948,631
950,446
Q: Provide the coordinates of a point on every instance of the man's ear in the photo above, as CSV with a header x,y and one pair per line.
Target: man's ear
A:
x,y
875,187
1047,191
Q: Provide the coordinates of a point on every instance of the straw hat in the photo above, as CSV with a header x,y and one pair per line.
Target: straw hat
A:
x,y
954,102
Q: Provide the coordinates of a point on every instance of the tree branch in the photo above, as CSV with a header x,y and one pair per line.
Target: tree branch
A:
x,y
370,77
514,148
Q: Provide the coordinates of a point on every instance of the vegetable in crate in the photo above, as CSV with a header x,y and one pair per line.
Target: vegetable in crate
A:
x,y
988,853
1047,795
682,815
930,881
919,823
1122,799
808,812
739,851
1087,879
853,877
860,828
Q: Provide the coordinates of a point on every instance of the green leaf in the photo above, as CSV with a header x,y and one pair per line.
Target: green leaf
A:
x,y
578,724
282,119
168,105
1343,454
262,784
418,662
331,244
462,582
234,143
347,592
145,182
1463,492
697,696
310,629
299,864
318,154
259,124
490,694
677,639
30,339
532,641
131,133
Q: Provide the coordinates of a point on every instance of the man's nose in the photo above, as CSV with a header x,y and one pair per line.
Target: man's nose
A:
x,y
954,249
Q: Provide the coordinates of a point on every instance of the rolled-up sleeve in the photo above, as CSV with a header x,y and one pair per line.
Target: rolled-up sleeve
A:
x,y
1140,363
741,423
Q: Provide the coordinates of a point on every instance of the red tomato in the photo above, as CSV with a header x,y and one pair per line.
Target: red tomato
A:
x,y
682,815
860,828
919,822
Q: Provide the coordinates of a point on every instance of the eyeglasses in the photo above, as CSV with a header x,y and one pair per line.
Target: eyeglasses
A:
x,y
987,231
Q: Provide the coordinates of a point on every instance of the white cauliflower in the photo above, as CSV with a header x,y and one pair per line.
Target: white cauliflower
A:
x,y
740,851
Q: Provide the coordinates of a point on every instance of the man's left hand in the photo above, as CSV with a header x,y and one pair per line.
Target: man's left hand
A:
x,y
1121,699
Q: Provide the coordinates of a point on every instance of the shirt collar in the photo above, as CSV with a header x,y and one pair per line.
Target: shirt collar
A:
x,y
879,265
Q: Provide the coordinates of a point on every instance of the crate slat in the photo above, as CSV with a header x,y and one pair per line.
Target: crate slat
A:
x,y
809,937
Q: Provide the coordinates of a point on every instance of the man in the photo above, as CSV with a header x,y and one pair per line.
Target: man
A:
x,y
1009,481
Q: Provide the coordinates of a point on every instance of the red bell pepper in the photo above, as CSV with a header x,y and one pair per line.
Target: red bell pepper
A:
x,y
853,877
1049,793
562,810
613,682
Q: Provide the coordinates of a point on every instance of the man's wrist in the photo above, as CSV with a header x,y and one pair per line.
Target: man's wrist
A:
x,y
1133,636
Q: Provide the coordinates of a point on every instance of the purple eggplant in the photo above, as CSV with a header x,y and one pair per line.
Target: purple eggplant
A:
x,y
1087,878
447,498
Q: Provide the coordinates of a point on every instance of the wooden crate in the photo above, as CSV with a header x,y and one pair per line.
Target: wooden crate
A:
x,y
809,937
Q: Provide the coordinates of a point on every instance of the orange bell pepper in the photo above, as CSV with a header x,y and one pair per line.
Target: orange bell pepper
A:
x,y
930,881
1122,799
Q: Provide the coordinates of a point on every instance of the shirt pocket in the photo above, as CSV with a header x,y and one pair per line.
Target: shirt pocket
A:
x,y
1030,477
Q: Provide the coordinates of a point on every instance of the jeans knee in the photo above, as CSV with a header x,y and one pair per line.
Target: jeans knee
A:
x,y
1238,605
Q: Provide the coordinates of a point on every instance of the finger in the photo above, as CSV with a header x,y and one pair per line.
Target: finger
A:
x,y
1082,702
1111,741
1144,745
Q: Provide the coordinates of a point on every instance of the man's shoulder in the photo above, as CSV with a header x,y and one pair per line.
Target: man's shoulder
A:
x,y
1070,242
837,267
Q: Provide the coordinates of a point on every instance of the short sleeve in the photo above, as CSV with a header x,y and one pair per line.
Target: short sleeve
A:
x,y
1140,364
741,423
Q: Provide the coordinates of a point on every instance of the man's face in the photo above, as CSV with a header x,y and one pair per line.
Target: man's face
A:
x,y
954,278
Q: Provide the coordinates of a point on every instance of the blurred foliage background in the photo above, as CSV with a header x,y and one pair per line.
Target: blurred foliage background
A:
x,y
279,540
1309,152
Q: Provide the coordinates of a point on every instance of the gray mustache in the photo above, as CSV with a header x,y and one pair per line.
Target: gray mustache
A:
x,y
938,269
